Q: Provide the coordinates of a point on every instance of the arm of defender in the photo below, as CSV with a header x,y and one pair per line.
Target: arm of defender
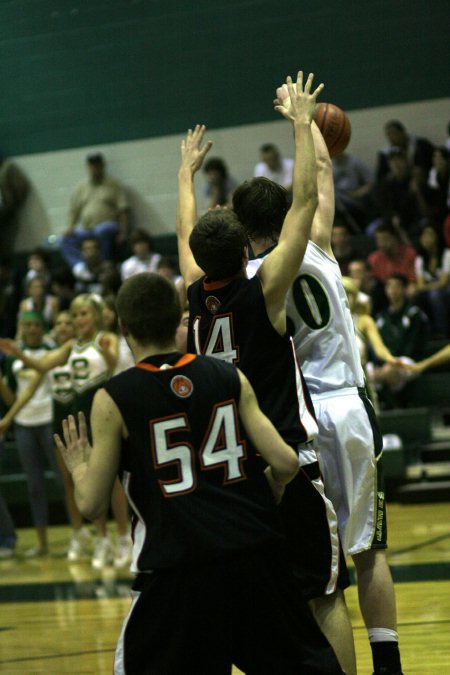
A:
x,y
94,469
282,459
281,265
192,156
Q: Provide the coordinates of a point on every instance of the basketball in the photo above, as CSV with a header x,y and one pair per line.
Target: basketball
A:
x,y
334,126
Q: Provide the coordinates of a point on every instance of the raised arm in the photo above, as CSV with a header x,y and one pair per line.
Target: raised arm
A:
x,y
56,357
281,265
94,469
281,458
192,156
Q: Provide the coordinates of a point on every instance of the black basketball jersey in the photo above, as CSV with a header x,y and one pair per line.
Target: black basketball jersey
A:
x,y
193,479
228,320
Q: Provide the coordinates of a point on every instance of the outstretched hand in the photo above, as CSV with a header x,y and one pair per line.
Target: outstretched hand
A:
x,y
76,449
296,103
192,152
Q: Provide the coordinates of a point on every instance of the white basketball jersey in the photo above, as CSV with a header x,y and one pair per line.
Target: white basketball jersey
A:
x,y
321,323
88,366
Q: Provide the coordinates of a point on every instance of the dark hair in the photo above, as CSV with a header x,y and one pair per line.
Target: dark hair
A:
x,y
64,277
440,243
261,206
386,227
396,276
149,306
140,235
269,147
395,124
217,243
95,158
216,164
41,253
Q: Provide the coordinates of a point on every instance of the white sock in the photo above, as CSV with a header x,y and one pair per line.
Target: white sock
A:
x,y
382,635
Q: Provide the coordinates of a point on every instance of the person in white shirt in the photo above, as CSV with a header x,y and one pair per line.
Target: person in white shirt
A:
x,y
143,258
274,167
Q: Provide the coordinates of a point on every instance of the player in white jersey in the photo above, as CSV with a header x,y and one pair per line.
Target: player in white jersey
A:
x,y
349,441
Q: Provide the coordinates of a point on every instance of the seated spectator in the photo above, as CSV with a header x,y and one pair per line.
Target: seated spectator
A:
x,y
433,280
359,272
392,257
438,185
342,245
353,185
99,206
400,197
143,258
447,142
63,287
168,268
38,264
418,150
404,330
219,185
87,271
274,167
38,300
109,278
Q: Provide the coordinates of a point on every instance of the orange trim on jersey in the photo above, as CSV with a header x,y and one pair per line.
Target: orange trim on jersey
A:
x,y
213,285
185,359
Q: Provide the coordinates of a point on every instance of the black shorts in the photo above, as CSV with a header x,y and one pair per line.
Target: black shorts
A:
x,y
243,610
311,529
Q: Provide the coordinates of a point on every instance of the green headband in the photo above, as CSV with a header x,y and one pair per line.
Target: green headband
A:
x,y
31,316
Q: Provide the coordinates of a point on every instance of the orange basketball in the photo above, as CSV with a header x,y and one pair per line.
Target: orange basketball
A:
x,y
335,127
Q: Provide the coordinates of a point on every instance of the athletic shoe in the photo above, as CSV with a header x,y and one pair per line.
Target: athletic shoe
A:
x,y
103,554
122,554
79,545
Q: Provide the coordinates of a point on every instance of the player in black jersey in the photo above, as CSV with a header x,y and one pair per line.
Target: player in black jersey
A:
x,y
213,584
243,322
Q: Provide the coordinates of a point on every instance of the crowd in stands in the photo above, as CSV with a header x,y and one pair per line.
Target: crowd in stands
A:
x,y
391,238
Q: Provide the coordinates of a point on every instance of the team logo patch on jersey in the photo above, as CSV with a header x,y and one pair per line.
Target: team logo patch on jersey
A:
x,y
213,304
181,386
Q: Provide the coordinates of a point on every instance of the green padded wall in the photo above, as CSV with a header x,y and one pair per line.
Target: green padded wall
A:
x,y
76,73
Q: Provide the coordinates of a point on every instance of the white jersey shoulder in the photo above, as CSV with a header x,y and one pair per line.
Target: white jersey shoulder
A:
x,y
321,323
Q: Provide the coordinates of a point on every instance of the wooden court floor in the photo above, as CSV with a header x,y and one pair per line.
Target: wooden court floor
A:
x,y
57,617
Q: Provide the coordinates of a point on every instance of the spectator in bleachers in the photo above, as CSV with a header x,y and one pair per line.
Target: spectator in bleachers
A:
x,y
144,259
274,167
400,196
38,265
99,206
87,271
168,269
433,280
392,257
418,150
359,271
438,185
342,245
63,286
219,186
404,329
38,300
353,185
